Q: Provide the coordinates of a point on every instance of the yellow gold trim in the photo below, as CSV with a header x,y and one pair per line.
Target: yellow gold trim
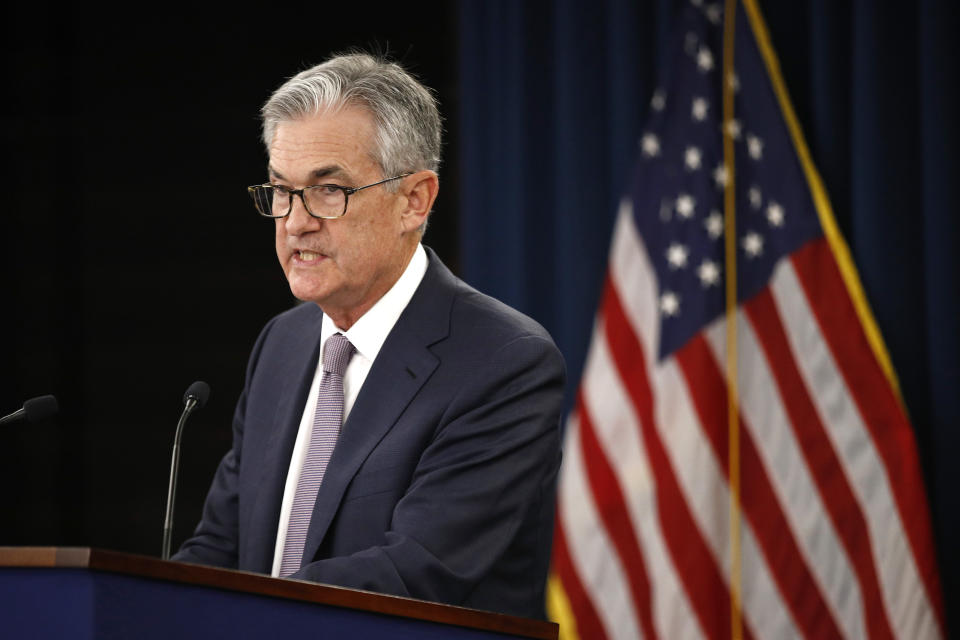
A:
x,y
730,249
837,244
558,608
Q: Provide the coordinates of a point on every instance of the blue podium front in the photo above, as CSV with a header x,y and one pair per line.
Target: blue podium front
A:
x,y
84,593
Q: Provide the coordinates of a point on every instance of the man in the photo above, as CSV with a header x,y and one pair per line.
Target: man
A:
x,y
427,467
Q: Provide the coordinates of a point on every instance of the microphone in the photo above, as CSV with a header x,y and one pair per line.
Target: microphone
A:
x,y
194,398
34,410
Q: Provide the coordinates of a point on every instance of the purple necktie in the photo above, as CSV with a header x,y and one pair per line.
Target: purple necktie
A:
x,y
326,427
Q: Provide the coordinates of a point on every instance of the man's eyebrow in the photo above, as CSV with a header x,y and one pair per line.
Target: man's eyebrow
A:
x,y
317,174
328,171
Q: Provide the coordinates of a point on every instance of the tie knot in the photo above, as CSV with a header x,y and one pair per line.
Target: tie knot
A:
x,y
337,354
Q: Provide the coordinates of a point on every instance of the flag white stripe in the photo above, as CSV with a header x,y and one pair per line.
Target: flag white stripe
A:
x,y
911,615
631,271
790,477
591,551
618,431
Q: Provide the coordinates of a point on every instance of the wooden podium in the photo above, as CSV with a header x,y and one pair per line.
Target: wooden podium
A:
x,y
73,592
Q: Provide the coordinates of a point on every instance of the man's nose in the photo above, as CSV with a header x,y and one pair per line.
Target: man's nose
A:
x,y
299,221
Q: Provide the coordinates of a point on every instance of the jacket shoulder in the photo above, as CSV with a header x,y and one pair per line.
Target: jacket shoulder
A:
x,y
477,313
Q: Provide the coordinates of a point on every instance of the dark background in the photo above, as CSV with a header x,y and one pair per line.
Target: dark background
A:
x,y
134,263
133,260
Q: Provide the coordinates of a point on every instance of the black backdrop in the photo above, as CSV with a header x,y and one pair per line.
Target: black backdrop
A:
x,y
133,261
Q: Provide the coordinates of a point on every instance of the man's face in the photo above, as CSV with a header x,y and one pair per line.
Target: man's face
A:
x,y
344,265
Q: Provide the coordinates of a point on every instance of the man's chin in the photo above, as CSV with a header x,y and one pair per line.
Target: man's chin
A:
x,y
305,292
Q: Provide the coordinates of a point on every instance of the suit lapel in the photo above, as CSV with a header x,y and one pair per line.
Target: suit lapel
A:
x,y
403,365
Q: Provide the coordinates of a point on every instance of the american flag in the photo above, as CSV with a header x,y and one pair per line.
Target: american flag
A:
x,y
834,533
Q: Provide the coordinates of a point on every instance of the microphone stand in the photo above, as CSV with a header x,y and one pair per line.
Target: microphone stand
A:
x,y
191,403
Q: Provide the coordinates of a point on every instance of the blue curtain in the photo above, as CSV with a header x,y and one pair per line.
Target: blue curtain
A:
x,y
553,95
552,100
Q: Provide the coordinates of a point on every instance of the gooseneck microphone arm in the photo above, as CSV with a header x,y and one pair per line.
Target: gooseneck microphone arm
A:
x,y
195,397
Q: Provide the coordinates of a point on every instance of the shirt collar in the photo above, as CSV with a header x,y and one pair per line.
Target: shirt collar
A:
x,y
370,331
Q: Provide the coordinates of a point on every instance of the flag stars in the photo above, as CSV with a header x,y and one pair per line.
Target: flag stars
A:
x,y
659,100
699,109
714,224
775,214
720,176
670,304
756,197
677,256
709,273
692,158
714,13
704,59
733,81
732,128
752,244
685,205
754,146
650,144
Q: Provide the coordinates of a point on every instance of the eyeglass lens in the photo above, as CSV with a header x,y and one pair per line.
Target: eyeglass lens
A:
x,y
321,200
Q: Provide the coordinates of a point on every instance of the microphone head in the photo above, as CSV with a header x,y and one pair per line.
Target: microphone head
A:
x,y
40,408
199,391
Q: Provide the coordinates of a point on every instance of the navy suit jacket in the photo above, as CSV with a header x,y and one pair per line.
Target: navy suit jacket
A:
x,y
442,483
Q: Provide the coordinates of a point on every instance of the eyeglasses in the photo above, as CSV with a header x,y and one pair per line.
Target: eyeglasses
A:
x,y
324,201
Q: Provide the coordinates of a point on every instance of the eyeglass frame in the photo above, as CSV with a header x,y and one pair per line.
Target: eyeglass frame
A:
x,y
347,192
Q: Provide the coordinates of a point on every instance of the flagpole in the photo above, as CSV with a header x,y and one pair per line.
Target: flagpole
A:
x,y
730,249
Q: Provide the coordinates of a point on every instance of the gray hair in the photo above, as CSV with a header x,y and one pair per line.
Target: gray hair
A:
x,y
408,125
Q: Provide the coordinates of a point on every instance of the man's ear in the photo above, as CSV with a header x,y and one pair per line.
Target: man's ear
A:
x,y
420,190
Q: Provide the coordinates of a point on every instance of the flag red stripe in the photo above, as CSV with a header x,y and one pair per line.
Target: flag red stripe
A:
x,y
694,562
827,470
874,396
759,502
612,508
588,622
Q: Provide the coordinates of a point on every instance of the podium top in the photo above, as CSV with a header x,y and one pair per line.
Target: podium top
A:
x,y
254,583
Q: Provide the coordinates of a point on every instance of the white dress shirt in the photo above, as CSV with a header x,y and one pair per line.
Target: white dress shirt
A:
x,y
367,336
